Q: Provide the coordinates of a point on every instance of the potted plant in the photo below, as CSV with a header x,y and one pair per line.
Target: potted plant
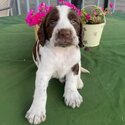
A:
x,y
94,20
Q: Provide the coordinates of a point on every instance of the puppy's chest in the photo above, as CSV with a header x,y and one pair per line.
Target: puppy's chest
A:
x,y
64,61
59,60
63,65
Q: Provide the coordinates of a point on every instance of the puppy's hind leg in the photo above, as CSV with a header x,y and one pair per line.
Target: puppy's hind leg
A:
x,y
80,83
62,80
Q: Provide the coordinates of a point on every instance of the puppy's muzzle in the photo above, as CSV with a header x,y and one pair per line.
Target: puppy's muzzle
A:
x,y
64,38
64,34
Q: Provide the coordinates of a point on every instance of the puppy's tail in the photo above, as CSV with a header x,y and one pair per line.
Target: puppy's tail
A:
x,y
84,70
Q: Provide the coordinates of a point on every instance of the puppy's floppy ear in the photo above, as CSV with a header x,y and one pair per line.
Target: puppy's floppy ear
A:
x,y
41,33
81,35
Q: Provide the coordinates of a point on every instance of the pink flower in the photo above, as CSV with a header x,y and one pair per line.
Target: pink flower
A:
x,y
79,13
35,18
88,16
42,7
49,9
73,7
61,1
70,5
111,5
95,13
102,8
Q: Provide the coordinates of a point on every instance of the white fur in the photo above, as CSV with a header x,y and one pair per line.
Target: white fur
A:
x,y
56,62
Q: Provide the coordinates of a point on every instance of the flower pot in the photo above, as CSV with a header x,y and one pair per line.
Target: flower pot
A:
x,y
92,34
36,27
94,19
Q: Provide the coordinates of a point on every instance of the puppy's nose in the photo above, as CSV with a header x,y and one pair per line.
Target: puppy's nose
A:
x,y
64,33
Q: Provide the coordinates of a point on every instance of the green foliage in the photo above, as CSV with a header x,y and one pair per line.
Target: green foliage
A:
x,y
92,15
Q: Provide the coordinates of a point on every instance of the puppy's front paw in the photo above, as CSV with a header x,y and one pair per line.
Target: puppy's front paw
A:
x,y
73,98
35,116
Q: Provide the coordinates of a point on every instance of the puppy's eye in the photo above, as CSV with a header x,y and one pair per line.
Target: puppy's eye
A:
x,y
73,21
53,22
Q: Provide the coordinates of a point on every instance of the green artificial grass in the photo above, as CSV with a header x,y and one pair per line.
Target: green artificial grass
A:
x,y
104,87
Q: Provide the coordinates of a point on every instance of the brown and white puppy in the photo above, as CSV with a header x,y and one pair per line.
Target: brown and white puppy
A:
x,y
57,55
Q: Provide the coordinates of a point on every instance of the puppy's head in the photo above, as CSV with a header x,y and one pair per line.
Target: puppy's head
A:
x,y
61,27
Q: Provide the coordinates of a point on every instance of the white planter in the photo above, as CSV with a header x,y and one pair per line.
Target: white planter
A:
x,y
92,34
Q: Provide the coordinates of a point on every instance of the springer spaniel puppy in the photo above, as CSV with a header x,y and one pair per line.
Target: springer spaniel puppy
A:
x,y
57,55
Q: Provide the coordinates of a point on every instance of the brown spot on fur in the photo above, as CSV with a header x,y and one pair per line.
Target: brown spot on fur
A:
x,y
41,34
36,51
51,21
75,69
47,26
75,20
